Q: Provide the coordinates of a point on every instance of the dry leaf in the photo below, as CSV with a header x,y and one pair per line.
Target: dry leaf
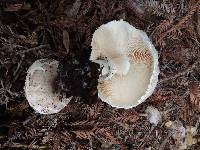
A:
x,y
127,116
189,139
13,7
66,40
84,134
107,136
95,110
195,95
74,10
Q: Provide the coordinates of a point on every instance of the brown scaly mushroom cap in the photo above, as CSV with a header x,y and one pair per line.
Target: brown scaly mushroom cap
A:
x,y
39,87
129,64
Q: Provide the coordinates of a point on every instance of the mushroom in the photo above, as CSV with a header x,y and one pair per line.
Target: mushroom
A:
x,y
129,64
40,89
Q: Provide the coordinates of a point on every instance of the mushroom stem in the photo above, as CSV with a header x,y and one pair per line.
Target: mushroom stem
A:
x,y
108,69
122,65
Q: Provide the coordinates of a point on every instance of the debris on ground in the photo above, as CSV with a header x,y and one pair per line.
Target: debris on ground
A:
x,y
63,30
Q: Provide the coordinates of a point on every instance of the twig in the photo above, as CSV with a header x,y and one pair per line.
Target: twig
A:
x,y
2,137
17,72
74,9
35,48
182,21
189,69
167,111
32,143
162,145
18,145
142,144
197,124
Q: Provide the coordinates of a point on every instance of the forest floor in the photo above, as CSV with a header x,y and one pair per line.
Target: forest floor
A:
x,y
62,29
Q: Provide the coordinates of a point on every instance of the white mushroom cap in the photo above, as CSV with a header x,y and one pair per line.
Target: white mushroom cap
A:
x,y
134,62
39,87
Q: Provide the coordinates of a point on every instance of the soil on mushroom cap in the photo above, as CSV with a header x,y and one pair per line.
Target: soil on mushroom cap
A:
x,y
79,79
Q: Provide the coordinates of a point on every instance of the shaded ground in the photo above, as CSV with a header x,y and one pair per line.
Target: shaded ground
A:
x,y
62,29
